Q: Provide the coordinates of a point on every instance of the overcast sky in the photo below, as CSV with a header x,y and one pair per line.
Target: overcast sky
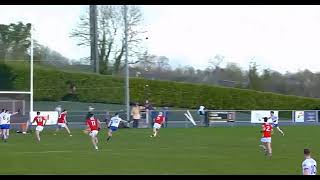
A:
x,y
284,38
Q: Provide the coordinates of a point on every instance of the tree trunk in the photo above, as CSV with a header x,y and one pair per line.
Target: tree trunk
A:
x,y
102,64
117,62
108,54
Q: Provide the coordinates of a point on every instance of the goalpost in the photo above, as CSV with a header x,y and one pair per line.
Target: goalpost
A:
x,y
21,100
31,71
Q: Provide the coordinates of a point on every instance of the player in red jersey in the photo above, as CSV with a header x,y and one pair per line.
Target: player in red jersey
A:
x,y
93,126
266,137
159,120
41,122
62,122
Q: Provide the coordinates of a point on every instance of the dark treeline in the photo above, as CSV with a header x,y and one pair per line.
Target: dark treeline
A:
x,y
302,83
15,44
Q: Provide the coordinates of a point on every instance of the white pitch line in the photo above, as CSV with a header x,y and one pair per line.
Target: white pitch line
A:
x,y
37,152
129,149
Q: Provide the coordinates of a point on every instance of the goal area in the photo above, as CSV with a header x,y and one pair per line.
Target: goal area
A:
x,y
15,101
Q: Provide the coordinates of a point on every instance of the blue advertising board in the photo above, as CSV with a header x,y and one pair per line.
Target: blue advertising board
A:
x,y
310,116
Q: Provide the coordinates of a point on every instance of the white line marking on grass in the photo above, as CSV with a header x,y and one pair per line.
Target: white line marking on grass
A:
x,y
110,150
37,152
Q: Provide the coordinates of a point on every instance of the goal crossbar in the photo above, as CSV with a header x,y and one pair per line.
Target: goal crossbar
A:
x,y
15,92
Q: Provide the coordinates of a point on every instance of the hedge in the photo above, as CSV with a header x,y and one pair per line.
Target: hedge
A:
x,y
52,85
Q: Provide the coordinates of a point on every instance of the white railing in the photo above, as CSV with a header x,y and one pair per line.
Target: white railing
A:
x,y
240,116
176,118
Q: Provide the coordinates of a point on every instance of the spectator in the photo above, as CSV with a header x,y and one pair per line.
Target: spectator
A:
x,y
203,114
148,106
201,110
136,115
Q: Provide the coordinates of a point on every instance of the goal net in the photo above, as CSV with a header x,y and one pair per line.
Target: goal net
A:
x,y
14,102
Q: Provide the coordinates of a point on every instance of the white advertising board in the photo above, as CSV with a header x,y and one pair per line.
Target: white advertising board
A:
x,y
257,116
299,116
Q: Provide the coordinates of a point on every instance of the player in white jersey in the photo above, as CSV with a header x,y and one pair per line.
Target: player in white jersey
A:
x,y
275,121
5,124
113,125
1,117
1,113
309,165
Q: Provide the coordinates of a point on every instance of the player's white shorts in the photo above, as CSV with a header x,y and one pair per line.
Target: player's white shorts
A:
x,y
93,133
62,125
39,128
156,125
266,139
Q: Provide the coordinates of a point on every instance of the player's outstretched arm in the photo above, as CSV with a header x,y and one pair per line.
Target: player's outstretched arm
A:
x,y
87,130
99,124
123,120
14,113
262,129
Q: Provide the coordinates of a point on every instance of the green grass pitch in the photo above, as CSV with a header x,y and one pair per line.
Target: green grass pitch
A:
x,y
218,150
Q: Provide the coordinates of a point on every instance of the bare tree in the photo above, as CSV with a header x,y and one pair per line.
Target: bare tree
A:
x,y
216,61
146,61
162,63
111,35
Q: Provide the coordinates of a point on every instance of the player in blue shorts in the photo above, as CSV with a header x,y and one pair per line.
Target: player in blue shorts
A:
x,y
275,122
113,125
1,117
5,124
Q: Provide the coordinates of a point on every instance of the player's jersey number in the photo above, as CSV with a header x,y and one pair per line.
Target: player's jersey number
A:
x,y
93,123
267,128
